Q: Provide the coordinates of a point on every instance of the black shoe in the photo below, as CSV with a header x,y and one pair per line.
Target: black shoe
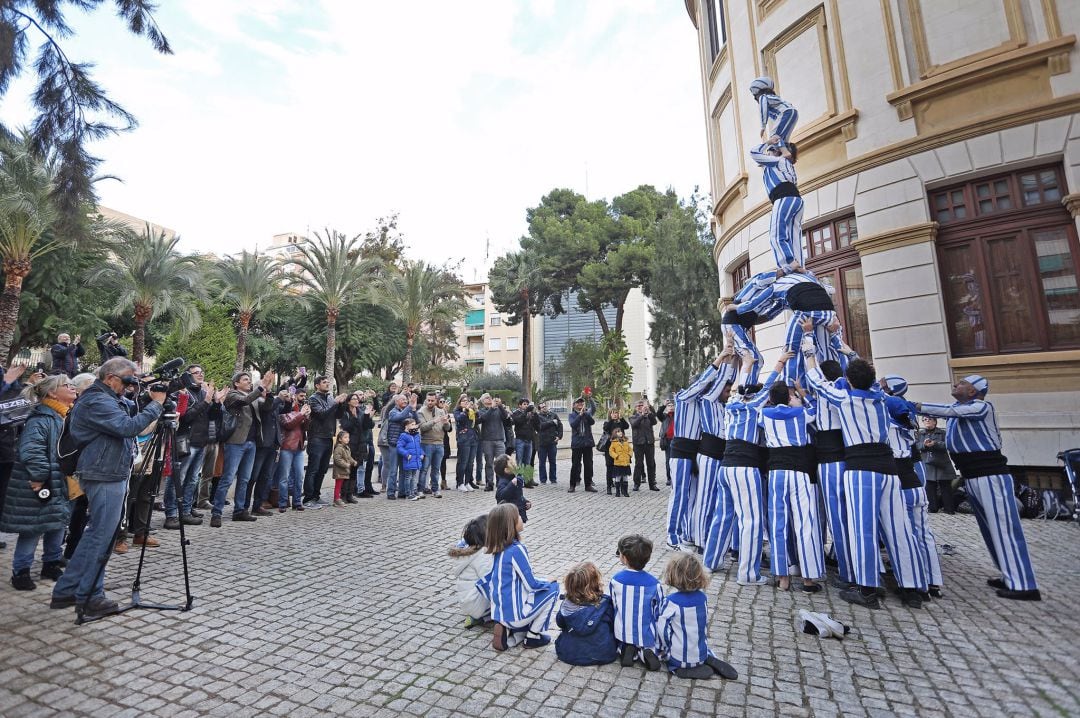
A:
x,y
62,602
653,487
97,606
365,495
591,489
172,523
196,514
722,669
489,488
1032,595
637,486
997,583
935,591
52,570
260,511
215,522
910,598
811,587
652,662
191,519
855,595
538,642
243,516
473,485
22,581
351,500
837,582
571,490
626,655
703,671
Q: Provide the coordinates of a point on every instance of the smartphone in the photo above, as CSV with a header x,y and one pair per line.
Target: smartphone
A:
x,y
302,370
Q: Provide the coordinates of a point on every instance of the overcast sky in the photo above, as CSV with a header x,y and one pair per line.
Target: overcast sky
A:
x,y
293,115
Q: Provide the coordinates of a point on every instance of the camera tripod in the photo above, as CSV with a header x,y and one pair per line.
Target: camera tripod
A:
x,y
157,451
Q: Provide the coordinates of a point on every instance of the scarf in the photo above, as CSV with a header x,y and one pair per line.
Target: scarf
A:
x,y
61,409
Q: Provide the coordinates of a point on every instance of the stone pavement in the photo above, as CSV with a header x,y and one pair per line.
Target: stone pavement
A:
x,y
350,612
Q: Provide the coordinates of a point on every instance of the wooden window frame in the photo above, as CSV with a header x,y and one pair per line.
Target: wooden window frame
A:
x,y
832,264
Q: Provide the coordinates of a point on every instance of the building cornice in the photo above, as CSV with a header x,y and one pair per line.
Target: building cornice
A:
x,y
1072,203
691,9
896,238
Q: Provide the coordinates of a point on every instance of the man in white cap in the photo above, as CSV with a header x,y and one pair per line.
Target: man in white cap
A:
x,y
974,442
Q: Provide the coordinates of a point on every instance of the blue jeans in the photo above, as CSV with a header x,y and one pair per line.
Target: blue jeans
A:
x,y
290,477
433,454
389,470
318,454
27,545
546,459
523,453
239,458
407,484
187,474
466,456
105,504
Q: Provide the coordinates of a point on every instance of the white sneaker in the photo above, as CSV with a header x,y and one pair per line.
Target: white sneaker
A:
x,y
469,488
759,581
464,488
837,629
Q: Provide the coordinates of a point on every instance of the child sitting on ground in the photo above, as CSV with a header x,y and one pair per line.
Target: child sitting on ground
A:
x,y
510,486
520,602
636,596
621,452
683,619
411,457
471,564
586,618
343,465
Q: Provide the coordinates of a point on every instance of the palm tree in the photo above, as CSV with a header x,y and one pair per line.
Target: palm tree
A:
x,y
248,284
332,275
27,215
418,294
151,277
513,281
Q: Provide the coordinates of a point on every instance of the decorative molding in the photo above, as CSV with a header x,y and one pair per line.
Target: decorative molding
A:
x,y
894,50
1017,38
720,61
1067,105
738,188
753,36
813,19
1050,15
974,73
841,58
820,131
764,7
1023,373
1072,203
896,238
1059,64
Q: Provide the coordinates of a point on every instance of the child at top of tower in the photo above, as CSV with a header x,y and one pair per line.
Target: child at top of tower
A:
x,y
773,107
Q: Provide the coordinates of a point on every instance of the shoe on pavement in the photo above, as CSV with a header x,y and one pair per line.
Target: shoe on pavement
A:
x,y
498,637
97,606
338,503
721,668
836,628
701,672
215,522
261,512
191,520
62,602
243,516
298,508
22,581
415,497
121,547
463,488
438,494
855,595
626,655
910,598
811,624
1031,595
759,581
538,641
591,489
651,660
172,523
997,583
489,488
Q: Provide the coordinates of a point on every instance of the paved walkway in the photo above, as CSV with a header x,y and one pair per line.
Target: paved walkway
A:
x,y
350,612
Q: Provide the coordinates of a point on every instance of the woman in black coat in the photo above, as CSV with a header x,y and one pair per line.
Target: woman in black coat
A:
x,y
356,419
29,511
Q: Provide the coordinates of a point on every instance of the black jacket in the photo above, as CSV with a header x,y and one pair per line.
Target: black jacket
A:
x,y
550,428
108,351
324,415
492,423
642,426
359,428
509,491
581,427
201,420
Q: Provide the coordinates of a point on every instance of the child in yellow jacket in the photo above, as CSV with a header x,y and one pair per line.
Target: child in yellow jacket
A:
x,y
343,465
620,452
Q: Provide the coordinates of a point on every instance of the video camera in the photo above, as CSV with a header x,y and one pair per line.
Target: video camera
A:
x,y
168,379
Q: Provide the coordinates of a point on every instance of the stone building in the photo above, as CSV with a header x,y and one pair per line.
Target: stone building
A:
x,y
939,161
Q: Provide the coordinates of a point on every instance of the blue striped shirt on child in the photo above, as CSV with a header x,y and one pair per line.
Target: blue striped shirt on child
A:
x,y
637,596
683,622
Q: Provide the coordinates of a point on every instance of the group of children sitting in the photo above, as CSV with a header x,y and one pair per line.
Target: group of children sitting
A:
x,y
636,620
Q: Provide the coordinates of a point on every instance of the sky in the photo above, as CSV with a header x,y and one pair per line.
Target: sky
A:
x,y
282,116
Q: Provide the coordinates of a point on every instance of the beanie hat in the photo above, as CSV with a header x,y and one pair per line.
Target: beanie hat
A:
x,y
896,384
980,383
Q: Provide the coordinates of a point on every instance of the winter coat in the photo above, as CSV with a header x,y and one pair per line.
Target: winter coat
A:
x,y
247,408
408,448
108,351
465,421
667,420
492,423
431,431
324,415
201,414
526,424
293,428
394,426
37,460
343,461
550,428
359,428
269,433
588,633
102,424
65,358
621,452
581,427
642,427
468,569
509,491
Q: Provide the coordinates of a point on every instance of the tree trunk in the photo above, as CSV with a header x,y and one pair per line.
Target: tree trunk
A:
x,y
138,342
620,312
331,345
406,365
15,270
604,328
241,341
526,358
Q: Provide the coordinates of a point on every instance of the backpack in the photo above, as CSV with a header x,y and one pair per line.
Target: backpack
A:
x,y
228,425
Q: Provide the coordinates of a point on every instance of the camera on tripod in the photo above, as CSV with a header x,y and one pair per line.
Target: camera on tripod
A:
x,y
168,380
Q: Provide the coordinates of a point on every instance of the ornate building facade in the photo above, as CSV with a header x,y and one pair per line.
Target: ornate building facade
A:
x,y
939,162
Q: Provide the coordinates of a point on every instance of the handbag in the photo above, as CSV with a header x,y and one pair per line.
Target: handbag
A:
x,y
181,445
604,444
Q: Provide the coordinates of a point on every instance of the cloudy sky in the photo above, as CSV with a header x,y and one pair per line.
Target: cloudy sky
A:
x,y
293,115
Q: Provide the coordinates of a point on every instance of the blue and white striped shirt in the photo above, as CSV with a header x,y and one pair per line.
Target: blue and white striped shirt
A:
x,y
761,300
684,617
743,417
864,419
771,107
511,586
787,425
775,169
712,411
637,596
687,405
827,416
972,425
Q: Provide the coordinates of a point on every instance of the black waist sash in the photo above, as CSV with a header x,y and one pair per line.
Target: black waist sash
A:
x,y
829,446
741,453
784,189
809,297
905,469
973,464
684,448
793,458
711,446
877,457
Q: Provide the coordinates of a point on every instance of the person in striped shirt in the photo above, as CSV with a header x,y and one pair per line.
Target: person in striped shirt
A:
x,y
792,493
737,328
740,480
871,487
710,451
773,107
684,616
974,443
520,602
636,595
777,163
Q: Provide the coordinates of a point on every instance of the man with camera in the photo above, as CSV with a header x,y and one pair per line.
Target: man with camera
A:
x,y
525,426
642,422
243,404
198,427
324,414
109,346
491,417
549,431
104,430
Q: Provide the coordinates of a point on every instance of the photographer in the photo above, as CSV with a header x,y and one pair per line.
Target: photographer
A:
x,y
548,434
468,443
642,422
198,428
491,417
101,425
243,403
434,425
109,346
325,410
525,425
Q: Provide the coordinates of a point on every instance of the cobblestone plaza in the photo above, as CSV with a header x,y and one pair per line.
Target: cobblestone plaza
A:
x,y
350,611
